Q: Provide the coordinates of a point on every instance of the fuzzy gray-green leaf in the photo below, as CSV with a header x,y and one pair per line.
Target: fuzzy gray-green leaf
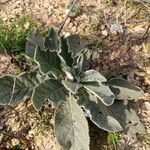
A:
x,y
86,60
64,54
101,91
51,40
77,66
124,89
50,89
71,127
92,76
36,39
30,48
90,103
6,88
49,61
76,44
73,87
126,116
14,89
24,85
82,63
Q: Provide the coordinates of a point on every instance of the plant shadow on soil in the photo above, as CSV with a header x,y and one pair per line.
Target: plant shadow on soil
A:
x,y
98,137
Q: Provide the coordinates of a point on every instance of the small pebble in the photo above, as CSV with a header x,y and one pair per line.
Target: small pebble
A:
x,y
104,33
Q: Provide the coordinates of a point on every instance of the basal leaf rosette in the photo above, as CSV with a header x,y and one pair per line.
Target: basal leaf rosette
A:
x,y
62,75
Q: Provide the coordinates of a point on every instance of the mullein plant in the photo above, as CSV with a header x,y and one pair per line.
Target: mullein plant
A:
x,y
62,76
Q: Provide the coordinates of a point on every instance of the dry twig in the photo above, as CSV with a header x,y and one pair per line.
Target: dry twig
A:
x,y
67,15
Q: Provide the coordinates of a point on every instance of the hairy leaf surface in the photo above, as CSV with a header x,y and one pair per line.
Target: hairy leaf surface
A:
x,y
76,44
124,89
68,72
101,91
30,48
49,62
51,40
50,89
6,89
126,116
77,66
71,127
82,63
36,39
19,88
92,76
86,60
24,85
73,87
90,103
64,53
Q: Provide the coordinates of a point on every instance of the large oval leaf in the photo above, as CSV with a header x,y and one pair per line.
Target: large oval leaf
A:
x,y
50,89
71,127
101,91
126,116
124,89
48,61
90,103
14,89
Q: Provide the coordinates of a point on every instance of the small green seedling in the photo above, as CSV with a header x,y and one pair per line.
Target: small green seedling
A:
x,y
43,123
62,76
113,139
13,36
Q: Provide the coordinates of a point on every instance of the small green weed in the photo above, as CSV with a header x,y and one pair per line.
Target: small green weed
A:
x,y
43,128
100,13
13,36
16,147
43,123
96,46
113,139
13,40
43,118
